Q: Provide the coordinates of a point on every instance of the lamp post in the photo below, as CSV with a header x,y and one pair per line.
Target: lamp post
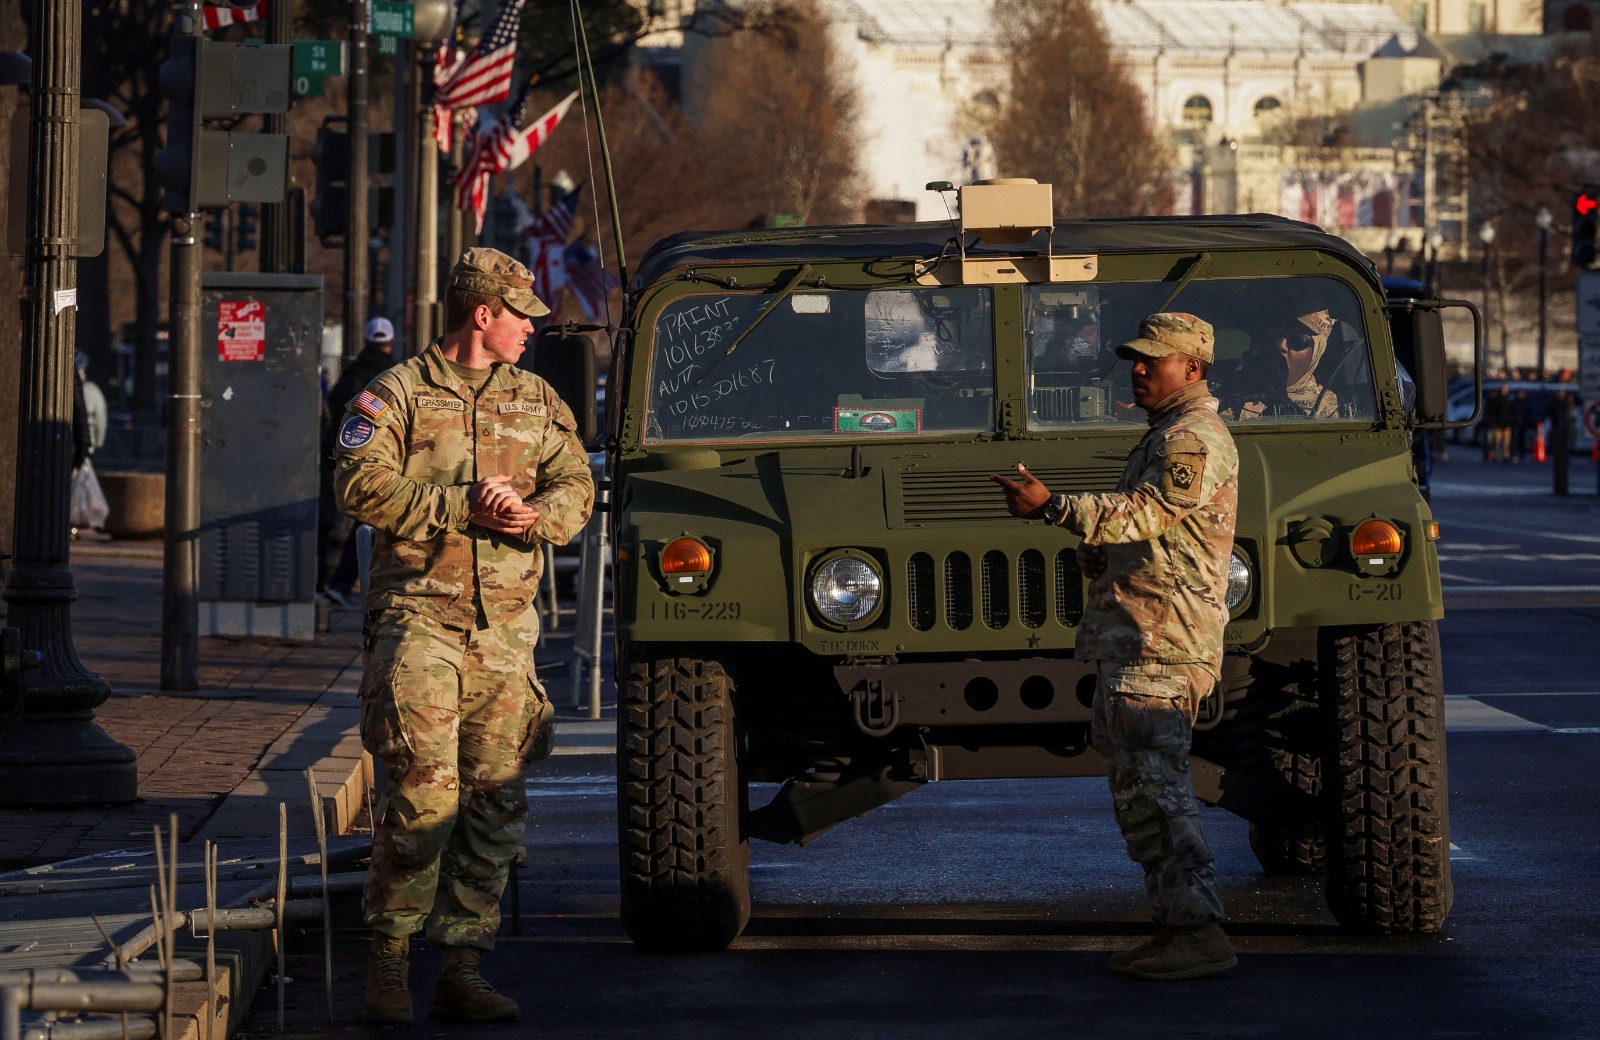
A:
x,y
1486,236
433,20
1545,221
51,750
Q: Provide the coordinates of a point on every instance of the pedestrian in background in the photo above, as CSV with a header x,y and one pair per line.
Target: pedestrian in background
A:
x,y
1523,422
1156,551
1563,417
465,466
375,358
1497,420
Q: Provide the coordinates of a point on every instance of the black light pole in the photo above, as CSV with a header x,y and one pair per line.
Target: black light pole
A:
x,y
358,235
1544,242
51,750
1486,236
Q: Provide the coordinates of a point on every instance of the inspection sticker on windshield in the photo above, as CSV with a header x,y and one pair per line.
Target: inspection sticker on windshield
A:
x,y
877,420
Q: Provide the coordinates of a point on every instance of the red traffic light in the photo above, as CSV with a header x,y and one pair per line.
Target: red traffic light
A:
x,y
1585,204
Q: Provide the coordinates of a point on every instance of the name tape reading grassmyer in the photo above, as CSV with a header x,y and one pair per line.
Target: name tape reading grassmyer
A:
x,y
691,337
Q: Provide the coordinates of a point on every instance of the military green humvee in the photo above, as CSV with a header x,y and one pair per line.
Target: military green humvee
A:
x,y
818,586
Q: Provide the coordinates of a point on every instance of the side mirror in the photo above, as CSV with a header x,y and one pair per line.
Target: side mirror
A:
x,y
1417,327
1419,342
566,361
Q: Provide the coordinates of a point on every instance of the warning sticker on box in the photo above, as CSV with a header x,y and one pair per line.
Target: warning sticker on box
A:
x,y
241,330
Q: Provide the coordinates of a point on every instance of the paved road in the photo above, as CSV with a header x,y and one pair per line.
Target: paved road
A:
x,y
986,909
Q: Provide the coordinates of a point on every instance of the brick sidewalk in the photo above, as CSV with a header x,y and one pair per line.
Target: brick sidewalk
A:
x,y
194,750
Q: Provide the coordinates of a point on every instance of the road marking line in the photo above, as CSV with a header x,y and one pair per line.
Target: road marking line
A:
x,y
1469,715
1577,729
1523,532
1523,693
1463,577
1448,589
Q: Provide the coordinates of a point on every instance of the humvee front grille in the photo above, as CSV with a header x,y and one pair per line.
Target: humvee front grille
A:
x,y
996,589
945,587
965,497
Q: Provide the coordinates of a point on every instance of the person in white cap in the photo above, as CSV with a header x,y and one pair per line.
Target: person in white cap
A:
x,y
374,359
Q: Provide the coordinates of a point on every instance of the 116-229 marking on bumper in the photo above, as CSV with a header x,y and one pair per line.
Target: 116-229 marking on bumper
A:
x,y
684,610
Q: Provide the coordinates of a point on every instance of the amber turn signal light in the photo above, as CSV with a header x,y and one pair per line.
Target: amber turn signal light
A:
x,y
685,556
1375,538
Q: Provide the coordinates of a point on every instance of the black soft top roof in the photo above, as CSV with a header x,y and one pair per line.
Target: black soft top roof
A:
x,y
1098,237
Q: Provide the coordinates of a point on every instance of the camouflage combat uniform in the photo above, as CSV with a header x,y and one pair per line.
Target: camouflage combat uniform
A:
x,y
449,697
1154,622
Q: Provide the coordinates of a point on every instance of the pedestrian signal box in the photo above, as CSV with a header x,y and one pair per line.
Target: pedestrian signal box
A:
x,y
1585,225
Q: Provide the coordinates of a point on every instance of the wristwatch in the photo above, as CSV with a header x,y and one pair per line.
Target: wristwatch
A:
x,y
1054,509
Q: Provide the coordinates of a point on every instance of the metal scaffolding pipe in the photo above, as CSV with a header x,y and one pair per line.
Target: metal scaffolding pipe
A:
x,y
182,971
133,1027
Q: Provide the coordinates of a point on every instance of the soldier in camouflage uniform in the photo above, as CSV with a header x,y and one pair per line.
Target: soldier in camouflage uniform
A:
x,y
1156,551
465,465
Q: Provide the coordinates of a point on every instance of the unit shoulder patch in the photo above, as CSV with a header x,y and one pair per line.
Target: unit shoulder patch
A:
x,y
356,432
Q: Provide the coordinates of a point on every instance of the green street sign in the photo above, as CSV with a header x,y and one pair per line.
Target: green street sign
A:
x,y
307,85
393,19
318,58
388,46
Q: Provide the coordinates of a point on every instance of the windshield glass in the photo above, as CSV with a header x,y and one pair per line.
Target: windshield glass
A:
x,y
1287,350
822,364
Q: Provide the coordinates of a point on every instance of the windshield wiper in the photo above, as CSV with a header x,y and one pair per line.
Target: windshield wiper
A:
x,y
783,294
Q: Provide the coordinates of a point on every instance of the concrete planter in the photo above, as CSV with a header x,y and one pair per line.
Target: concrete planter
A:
x,y
138,503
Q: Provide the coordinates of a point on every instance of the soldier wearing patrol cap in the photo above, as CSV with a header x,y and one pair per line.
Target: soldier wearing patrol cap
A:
x,y
465,465
1156,553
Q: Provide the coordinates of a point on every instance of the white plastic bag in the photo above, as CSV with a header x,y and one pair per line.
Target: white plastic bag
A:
x,y
89,507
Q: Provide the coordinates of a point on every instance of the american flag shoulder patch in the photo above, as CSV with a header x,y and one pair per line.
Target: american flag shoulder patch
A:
x,y
371,405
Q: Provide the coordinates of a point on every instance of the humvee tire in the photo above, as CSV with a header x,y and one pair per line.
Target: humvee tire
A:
x,y
1289,851
685,860
1388,838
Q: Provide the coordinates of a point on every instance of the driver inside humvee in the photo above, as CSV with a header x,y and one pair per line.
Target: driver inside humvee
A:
x,y
1277,374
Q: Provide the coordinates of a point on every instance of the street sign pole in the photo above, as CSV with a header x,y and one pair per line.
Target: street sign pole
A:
x,y
180,605
357,233
277,241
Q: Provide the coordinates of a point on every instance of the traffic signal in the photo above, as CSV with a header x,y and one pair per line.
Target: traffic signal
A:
x,y
214,230
202,80
248,216
1585,225
330,210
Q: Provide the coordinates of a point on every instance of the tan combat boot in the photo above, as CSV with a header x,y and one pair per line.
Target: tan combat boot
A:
x,y
1123,961
1191,953
464,995
388,999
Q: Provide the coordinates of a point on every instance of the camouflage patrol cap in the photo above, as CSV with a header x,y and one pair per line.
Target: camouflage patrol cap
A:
x,y
1172,332
493,273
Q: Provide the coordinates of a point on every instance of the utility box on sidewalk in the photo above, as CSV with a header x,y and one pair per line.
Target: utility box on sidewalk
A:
x,y
261,408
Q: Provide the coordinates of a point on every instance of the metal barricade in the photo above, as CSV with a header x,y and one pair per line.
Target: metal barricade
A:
x,y
586,638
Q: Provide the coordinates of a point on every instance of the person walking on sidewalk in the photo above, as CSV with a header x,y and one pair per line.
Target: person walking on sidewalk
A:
x,y
464,465
1156,552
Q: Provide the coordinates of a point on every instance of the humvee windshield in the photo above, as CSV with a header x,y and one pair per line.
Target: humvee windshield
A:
x,y
916,361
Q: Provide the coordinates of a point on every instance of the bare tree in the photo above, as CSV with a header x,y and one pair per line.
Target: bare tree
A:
x,y
1070,116
774,143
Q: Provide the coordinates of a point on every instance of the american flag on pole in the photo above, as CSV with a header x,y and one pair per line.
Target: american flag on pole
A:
x,y
449,60
219,17
589,283
502,146
548,245
485,75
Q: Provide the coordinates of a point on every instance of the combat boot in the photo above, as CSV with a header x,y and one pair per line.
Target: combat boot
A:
x,y
387,1001
1123,961
462,994
1191,953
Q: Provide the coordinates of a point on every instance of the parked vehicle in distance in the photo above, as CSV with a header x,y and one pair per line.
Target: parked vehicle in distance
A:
x,y
1458,406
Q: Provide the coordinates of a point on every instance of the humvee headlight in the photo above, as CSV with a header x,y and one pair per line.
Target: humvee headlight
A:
x,y
846,589
1238,581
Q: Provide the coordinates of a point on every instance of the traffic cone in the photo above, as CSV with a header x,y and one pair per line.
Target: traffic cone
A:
x,y
1538,444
